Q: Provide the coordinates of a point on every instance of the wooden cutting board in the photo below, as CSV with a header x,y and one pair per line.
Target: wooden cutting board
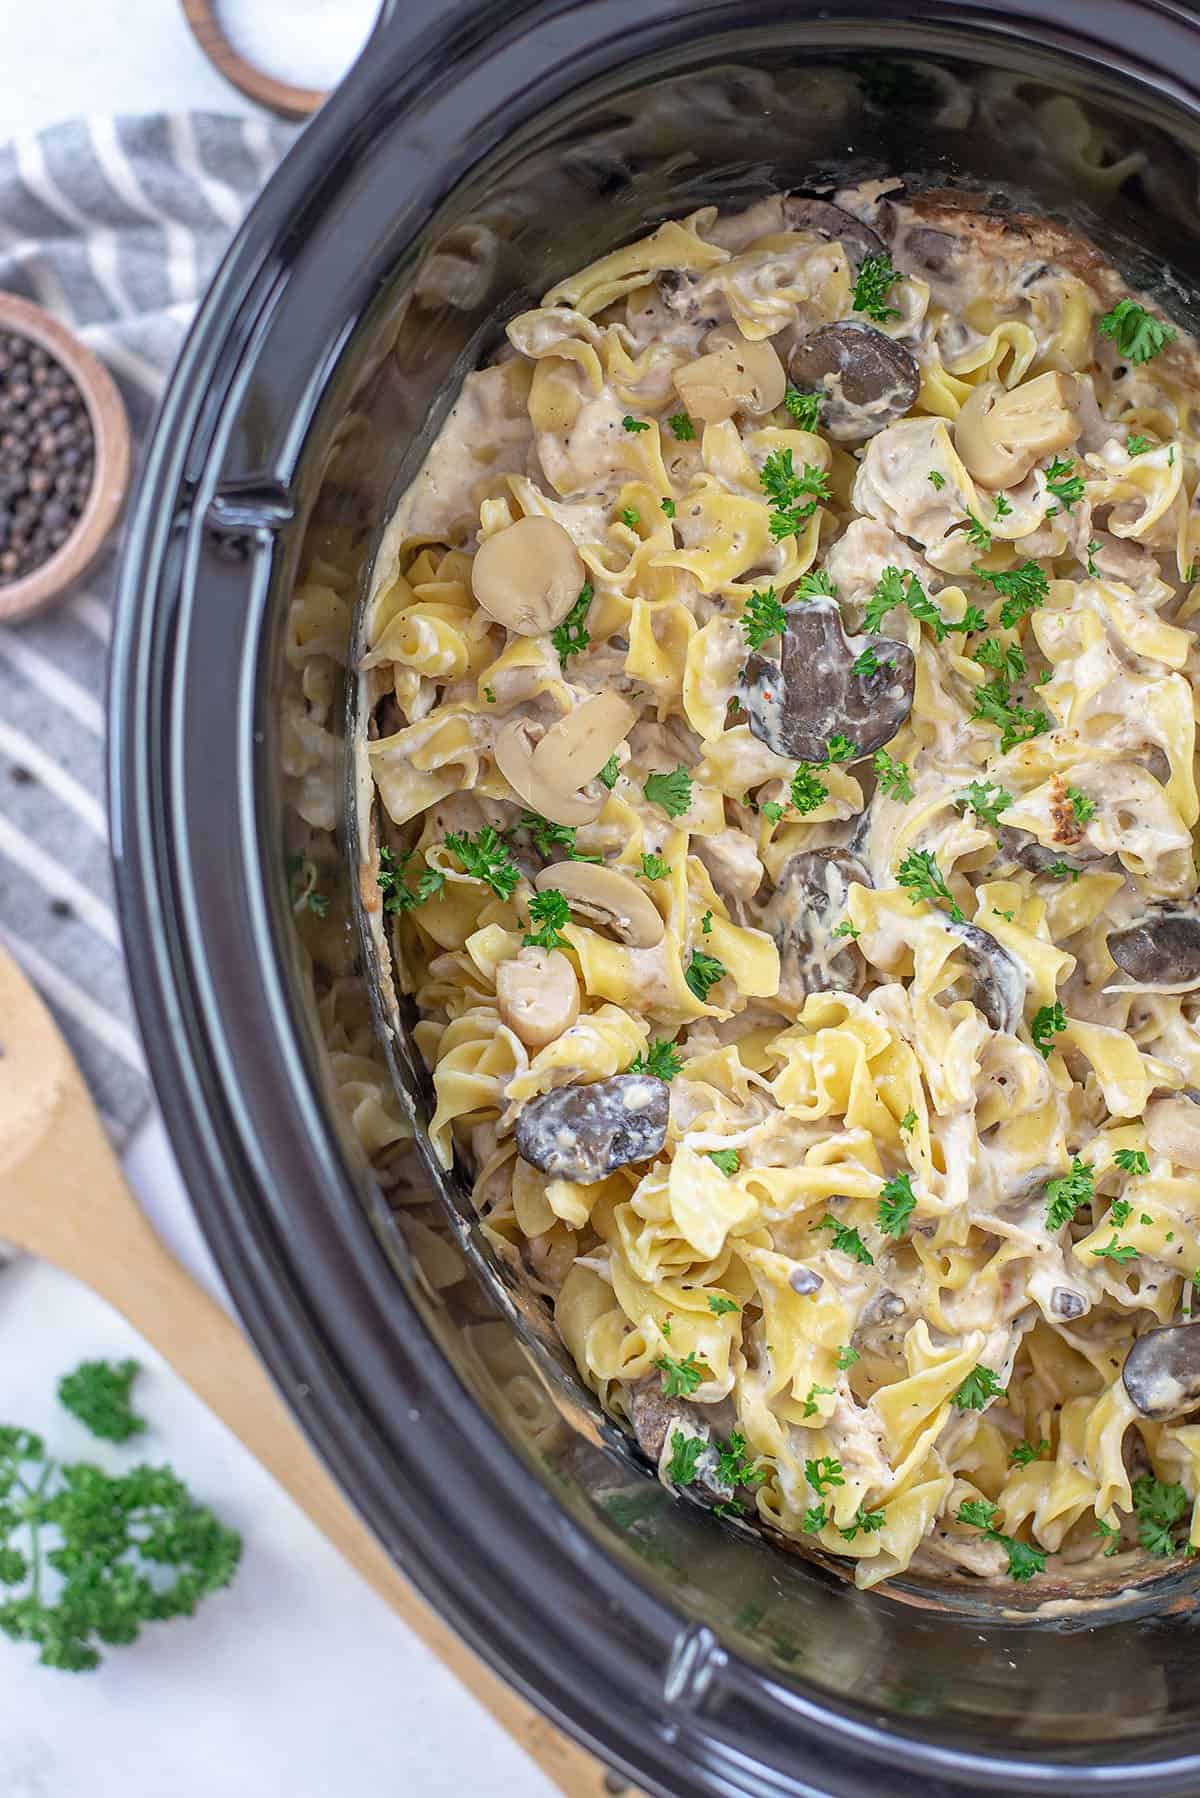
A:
x,y
64,1198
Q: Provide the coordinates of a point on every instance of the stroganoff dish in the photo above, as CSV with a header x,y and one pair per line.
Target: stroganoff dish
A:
x,y
782,681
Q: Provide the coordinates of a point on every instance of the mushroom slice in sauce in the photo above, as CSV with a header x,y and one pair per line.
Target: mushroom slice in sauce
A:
x,y
584,1132
833,223
869,378
813,693
1022,847
999,978
808,900
1162,1372
1162,947
656,1418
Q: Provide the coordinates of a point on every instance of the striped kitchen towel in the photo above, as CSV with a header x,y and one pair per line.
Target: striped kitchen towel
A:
x,y
114,225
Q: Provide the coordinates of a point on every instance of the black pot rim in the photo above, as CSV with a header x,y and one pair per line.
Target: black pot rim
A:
x,y
604,1684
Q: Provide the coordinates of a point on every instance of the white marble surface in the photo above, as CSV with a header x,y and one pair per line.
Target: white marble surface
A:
x,y
299,1679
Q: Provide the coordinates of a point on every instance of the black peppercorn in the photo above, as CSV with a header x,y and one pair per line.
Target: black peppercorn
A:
x,y
46,456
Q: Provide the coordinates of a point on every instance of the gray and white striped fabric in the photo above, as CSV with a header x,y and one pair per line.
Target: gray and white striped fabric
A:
x,y
114,225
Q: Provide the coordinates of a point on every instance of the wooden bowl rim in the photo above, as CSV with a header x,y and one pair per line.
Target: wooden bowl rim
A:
x,y
112,455
283,97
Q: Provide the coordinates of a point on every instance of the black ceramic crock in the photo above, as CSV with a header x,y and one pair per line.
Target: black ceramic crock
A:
x,y
521,140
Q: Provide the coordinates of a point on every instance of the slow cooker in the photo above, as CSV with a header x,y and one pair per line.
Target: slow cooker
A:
x,y
477,152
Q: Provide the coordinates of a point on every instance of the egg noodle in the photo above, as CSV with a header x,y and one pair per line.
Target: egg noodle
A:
x,y
928,1168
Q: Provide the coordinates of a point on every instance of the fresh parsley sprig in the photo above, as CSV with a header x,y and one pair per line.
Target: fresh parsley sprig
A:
x,y
921,878
805,408
571,637
874,282
763,617
671,791
793,497
1066,1193
659,1058
97,1393
986,799
1137,334
485,856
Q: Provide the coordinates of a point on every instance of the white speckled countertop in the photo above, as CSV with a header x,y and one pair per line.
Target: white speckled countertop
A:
x,y
299,1679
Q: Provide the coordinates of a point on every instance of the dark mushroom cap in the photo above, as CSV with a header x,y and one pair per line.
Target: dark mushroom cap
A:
x,y
808,899
870,380
832,222
1065,1302
796,705
1022,847
584,1131
1162,1372
999,977
1162,948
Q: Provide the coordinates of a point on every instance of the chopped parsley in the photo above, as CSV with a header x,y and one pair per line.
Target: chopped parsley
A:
x,y
654,867
847,1240
728,1160
893,777
733,1467
986,799
1001,506
1121,1209
771,810
706,923
680,1378
897,1202
668,506
807,791
980,1385
634,424
846,928
1064,483
1067,1193
703,972
811,1406
793,497
1048,1022
1004,659
610,773
805,408
490,695
1023,588
1137,334
994,704
763,617
97,1393
815,1518
1027,1452
398,896
1083,807
571,637
978,533
816,584
659,1058
868,663
921,878
485,857
824,1473
875,280
1158,1507
1115,1251
1112,1534
938,481
549,911
1137,446
846,1357
867,1521
682,427
685,1456
629,517
840,748
1092,547
720,1306
909,1120
557,840
673,791
1132,1161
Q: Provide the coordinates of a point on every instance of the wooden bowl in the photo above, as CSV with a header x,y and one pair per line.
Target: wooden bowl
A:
x,y
283,97
110,466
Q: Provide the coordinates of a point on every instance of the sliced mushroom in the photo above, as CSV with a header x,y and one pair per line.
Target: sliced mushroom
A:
x,y
574,750
1162,1372
999,977
832,223
607,896
528,576
514,758
814,692
869,378
734,376
1066,1303
805,1280
538,995
808,901
1022,847
1173,1129
585,1132
1162,948
1000,433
